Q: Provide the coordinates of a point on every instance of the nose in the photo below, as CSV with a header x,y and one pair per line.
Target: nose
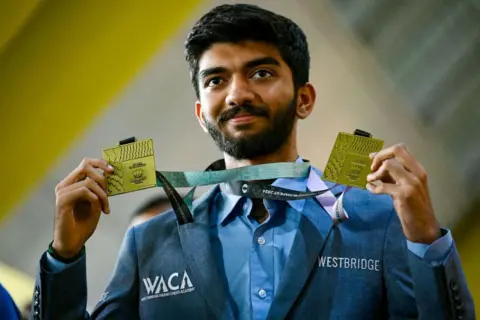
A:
x,y
240,92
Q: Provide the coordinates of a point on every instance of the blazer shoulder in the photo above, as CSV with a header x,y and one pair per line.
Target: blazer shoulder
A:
x,y
160,224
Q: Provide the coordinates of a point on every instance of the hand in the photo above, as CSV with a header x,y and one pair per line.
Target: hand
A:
x,y
397,173
80,199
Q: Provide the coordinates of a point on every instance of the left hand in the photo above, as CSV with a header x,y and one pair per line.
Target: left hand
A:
x,y
396,172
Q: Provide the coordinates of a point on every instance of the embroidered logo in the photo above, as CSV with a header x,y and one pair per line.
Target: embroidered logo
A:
x,y
162,286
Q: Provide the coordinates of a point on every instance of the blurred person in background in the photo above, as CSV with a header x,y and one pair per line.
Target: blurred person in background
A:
x,y
245,258
150,209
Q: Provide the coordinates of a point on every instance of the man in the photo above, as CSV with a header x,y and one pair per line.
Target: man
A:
x,y
254,259
150,209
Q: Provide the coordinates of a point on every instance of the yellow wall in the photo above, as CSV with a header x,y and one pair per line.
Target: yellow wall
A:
x,y
18,284
61,71
13,15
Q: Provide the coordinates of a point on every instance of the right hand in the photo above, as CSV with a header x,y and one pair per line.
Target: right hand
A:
x,y
80,199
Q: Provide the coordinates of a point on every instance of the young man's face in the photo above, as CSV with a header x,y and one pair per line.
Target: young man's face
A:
x,y
247,99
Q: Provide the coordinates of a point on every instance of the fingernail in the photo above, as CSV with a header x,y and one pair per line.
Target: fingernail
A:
x,y
372,155
369,177
110,167
369,186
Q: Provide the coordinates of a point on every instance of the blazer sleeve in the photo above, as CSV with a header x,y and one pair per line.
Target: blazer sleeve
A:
x,y
418,289
62,293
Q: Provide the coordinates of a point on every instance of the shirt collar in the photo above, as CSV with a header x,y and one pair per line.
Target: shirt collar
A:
x,y
226,202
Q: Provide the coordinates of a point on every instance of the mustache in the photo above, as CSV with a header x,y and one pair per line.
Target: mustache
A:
x,y
247,108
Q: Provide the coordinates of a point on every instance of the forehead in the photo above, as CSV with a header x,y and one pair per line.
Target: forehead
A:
x,y
236,55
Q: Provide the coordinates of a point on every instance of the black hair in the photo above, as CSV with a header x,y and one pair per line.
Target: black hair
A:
x,y
233,23
155,203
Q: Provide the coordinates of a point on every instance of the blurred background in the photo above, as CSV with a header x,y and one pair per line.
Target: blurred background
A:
x,y
78,76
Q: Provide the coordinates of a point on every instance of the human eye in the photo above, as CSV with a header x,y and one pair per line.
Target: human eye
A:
x,y
262,74
213,82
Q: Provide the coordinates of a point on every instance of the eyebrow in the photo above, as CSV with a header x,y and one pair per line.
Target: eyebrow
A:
x,y
208,72
260,61
249,65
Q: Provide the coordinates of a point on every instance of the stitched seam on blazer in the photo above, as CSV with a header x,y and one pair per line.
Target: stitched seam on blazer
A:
x,y
385,235
137,273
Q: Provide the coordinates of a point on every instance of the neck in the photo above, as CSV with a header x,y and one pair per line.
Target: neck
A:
x,y
287,153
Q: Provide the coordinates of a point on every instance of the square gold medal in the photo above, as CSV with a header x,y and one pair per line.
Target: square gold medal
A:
x,y
349,163
134,165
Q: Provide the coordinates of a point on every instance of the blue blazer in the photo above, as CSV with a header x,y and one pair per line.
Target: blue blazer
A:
x,y
359,269
8,308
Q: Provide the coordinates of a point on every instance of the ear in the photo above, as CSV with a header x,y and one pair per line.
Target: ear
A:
x,y
305,101
199,115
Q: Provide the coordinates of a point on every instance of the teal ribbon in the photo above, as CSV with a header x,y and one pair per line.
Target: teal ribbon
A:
x,y
184,179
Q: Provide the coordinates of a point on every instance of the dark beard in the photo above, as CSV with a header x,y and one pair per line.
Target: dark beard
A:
x,y
263,143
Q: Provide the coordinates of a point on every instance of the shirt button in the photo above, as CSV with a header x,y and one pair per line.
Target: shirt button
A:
x,y
261,240
245,206
262,294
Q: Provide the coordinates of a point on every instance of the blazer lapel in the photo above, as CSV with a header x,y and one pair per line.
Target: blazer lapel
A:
x,y
195,241
314,228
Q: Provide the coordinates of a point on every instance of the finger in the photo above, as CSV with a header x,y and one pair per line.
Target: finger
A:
x,y
98,177
94,188
382,174
391,171
78,194
398,151
100,193
80,174
86,168
383,188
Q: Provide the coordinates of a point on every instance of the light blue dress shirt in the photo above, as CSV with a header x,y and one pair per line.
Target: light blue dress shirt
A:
x,y
252,256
